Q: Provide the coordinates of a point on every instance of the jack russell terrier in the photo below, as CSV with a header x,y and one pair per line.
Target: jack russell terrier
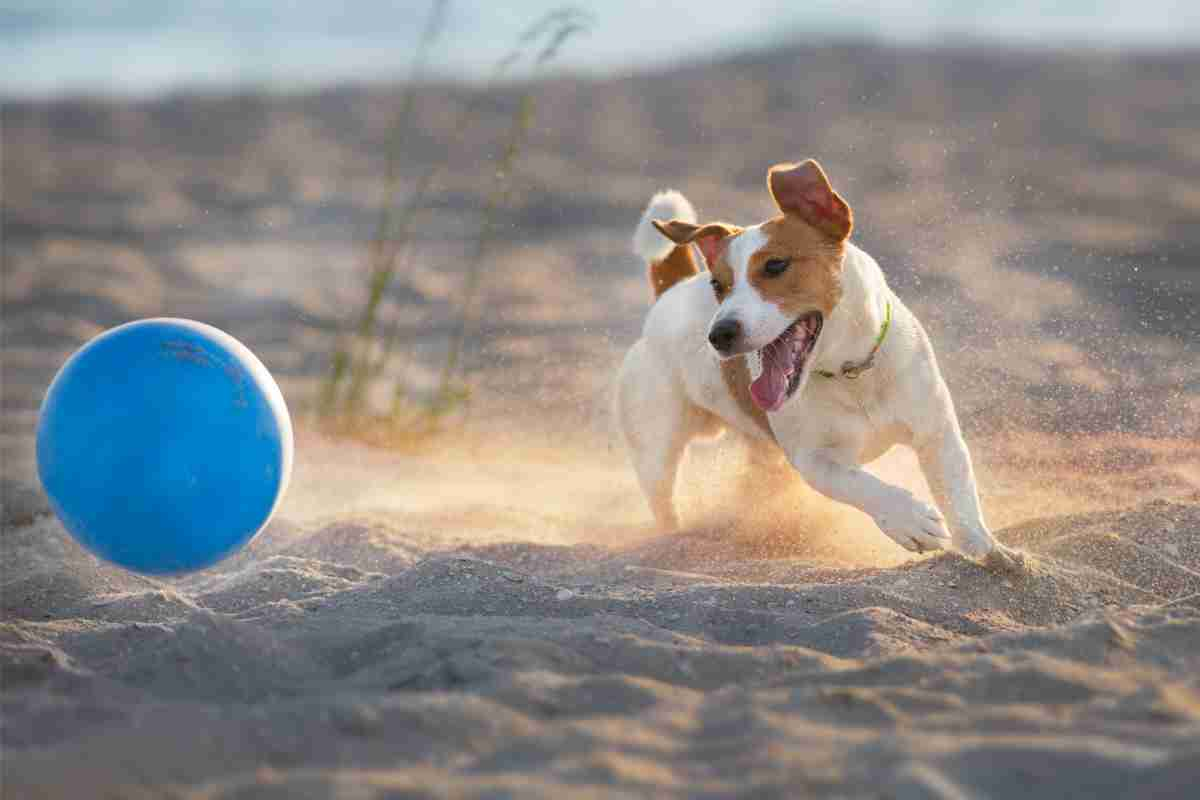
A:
x,y
793,338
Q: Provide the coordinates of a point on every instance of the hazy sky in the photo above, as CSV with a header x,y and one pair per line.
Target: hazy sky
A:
x,y
140,46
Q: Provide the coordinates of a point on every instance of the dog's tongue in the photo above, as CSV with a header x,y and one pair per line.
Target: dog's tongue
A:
x,y
769,388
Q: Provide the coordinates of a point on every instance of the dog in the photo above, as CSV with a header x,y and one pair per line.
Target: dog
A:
x,y
793,339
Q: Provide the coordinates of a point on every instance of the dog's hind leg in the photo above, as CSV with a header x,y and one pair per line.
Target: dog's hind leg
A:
x,y
657,421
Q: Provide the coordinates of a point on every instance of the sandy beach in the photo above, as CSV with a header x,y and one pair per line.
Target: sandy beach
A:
x,y
489,612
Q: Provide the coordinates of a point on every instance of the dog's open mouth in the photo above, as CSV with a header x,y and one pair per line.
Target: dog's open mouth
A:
x,y
781,363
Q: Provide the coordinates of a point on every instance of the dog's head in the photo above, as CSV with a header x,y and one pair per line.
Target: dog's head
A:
x,y
776,282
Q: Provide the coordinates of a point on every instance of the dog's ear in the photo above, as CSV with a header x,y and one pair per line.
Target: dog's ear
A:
x,y
710,238
803,191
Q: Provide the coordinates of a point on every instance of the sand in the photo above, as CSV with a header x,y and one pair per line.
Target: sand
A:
x,y
484,647
489,612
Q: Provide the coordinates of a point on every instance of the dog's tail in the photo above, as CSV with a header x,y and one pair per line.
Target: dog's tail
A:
x,y
669,263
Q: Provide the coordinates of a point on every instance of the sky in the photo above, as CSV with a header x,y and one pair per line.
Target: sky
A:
x,y
143,47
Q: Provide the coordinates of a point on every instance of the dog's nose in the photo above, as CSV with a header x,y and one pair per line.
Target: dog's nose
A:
x,y
724,333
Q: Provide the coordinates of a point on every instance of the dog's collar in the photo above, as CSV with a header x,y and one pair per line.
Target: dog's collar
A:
x,y
852,369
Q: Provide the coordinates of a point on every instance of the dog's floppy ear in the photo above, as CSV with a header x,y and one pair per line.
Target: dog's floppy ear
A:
x,y
803,191
710,238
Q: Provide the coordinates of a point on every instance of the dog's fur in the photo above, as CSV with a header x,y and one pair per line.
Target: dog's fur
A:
x,y
674,385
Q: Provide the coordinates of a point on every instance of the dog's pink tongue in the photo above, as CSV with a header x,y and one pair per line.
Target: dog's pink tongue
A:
x,y
768,389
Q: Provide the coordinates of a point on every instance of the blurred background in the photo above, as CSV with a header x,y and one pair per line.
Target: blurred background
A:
x,y
418,213
143,47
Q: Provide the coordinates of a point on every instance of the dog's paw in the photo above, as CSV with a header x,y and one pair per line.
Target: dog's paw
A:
x,y
913,524
976,544
1004,560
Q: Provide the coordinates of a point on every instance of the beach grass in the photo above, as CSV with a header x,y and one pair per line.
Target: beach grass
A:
x,y
366,352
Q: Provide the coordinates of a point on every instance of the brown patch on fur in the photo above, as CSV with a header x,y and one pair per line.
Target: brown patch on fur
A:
x,y
722,277
814,277
737,380
678,265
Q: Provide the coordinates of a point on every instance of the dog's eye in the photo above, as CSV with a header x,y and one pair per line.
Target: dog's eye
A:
x,y
716,285
776,266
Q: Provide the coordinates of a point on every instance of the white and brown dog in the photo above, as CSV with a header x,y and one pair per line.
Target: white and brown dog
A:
x,y
844,371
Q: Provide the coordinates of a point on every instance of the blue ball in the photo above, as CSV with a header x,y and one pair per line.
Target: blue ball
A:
x,y
164,445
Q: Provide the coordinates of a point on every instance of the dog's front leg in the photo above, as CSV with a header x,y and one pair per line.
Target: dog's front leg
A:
x,y
911,523
946,463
